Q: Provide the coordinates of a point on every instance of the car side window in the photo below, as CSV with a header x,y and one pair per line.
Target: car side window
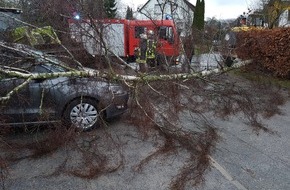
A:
x,y
9,58
38,69
45,68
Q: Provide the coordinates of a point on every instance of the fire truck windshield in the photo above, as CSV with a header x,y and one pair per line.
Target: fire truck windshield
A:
x,y
166,33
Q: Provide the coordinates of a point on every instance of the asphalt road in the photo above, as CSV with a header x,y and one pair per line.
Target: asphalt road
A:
x,y
244,159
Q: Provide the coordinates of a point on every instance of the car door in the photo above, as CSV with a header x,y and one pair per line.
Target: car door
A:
x,y
42,105
48,95
35,101
13,109
30,103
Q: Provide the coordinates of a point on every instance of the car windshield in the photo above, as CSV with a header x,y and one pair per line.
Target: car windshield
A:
x,y
29,59
49,61
50,68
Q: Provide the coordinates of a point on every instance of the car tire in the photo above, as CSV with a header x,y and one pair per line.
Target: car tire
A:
x,y
83,114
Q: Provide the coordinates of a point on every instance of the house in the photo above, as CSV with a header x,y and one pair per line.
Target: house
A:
x,y
284,19
181,11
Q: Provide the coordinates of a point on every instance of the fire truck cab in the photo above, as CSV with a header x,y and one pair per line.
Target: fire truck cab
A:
x,y
165,31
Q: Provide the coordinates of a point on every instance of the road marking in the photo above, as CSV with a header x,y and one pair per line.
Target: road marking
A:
x,y
227,175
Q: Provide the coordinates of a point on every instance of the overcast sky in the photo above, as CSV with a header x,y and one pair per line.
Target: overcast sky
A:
x,y
221,9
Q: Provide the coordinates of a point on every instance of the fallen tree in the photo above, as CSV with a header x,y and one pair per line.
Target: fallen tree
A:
x,y
157,103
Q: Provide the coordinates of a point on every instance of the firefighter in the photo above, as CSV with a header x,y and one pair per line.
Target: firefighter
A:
x,y
151,49
141,53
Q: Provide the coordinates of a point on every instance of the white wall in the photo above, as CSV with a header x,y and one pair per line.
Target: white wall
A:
x,y
284,19
182,15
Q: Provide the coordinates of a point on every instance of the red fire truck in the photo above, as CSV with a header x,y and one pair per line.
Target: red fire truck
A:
x,y
121,37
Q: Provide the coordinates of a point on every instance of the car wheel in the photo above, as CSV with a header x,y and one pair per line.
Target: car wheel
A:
x,y
82,114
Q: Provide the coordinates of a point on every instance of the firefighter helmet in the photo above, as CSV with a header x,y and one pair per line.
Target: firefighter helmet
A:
x,y
150,32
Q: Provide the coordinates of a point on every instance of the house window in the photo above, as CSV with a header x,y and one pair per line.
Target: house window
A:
x,y
157,9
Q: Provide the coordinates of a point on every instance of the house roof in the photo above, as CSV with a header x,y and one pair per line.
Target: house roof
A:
x,y
191,6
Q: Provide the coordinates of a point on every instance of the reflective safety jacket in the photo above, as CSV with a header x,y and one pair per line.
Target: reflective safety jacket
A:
x,y
151,49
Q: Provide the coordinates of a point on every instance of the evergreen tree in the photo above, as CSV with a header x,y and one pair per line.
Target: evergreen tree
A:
x,y
198,20
195,14
110,8
129,13
201,16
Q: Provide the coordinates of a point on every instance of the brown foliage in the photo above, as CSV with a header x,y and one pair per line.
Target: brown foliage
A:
x,y
269,50
160,105
45,142
200,146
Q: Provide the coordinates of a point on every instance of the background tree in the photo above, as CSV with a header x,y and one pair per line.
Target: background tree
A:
x,y
271,11
89,7
129,13
198,20
194,43
5,3
201,16
274,10
110,8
